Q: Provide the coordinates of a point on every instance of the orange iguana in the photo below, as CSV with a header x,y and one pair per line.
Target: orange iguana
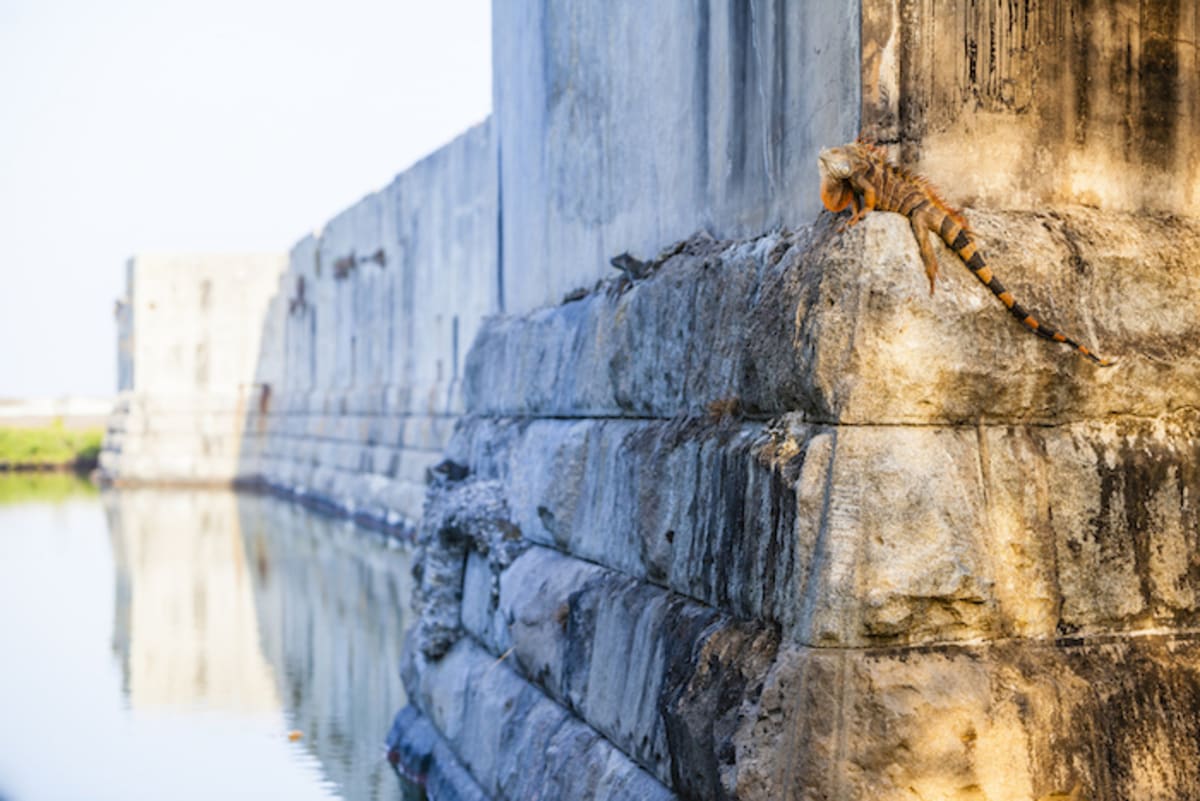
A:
x,y
859,174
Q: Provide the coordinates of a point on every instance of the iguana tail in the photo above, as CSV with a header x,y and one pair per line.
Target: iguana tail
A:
x,y
962,243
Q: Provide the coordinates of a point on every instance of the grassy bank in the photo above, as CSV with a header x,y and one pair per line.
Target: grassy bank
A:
x,y
48,447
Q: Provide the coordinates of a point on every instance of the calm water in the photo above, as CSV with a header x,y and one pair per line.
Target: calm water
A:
x,y
160,644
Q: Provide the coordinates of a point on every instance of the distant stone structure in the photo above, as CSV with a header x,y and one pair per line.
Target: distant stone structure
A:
x,y
189,331
917,554
367,337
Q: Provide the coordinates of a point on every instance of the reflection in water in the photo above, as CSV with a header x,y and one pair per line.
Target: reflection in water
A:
x,y
249,605
185,626
332,603
162,644
43,488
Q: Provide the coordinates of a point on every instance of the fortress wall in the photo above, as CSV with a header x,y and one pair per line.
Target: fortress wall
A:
x,y
628,126
361,371
190,329
771,522
1028,105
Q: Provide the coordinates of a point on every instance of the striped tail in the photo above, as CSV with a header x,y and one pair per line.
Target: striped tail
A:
x,y
962,243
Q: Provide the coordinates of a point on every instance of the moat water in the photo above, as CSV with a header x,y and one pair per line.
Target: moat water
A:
x,y
189,644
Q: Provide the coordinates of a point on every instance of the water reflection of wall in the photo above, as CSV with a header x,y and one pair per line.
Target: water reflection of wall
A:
x,y
185,628
332,604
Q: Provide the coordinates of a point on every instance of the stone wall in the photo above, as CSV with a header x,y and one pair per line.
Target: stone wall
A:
x,y
774,524
1024,105
189,333
770,522
361,368
627,125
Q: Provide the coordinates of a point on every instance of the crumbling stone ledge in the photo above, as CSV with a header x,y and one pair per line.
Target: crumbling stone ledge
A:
x,y
841,328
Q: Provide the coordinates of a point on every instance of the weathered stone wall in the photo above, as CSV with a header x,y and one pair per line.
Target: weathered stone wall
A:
x,y
1025,105
189,333
923,555
627,125
773,523
362,366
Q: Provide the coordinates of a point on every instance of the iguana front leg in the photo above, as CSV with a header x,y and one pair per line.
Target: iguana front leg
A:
x,y
856,203
864,201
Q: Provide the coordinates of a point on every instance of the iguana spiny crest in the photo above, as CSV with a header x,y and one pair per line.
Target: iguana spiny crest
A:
x,y
859,175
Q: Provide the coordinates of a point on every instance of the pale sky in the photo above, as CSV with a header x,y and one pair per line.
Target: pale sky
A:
x,y
202,125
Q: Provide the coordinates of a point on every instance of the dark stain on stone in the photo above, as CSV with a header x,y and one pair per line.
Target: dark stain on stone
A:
x,y
1140,722
1070,237
725,532
702,89
779,86
1158,73
580,628
1129,524
1080,51
715,668
741,60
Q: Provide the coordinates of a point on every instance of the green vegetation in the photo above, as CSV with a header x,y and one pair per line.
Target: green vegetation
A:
x,y
49,446
43,487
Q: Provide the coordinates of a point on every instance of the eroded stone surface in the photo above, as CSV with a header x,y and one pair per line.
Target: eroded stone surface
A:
x,y
872,535
1012,720
771,523
515,741
842,329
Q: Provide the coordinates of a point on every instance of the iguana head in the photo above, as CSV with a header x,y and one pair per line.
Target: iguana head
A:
x,y
838,162
836,165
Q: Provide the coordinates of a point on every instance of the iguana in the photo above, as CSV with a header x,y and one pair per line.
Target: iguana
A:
x,y
859,175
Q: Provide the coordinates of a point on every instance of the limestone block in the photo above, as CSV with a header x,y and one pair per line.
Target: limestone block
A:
x,y
1013,720
595,640
841,327
872,535
665,680
495,721
1050,119
423,752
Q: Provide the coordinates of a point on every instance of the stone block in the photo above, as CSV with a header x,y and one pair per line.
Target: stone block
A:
x,y
842,329
871,535
495,720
